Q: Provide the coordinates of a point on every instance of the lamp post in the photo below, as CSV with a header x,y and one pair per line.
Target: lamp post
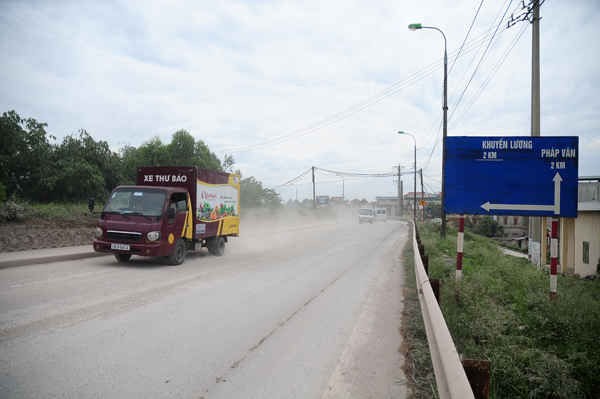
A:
x,y
445,109
415,176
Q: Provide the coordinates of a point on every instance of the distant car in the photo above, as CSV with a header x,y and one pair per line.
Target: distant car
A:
x,y
365,215
380,215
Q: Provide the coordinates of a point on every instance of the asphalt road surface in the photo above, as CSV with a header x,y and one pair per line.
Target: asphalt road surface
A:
x,y
300,312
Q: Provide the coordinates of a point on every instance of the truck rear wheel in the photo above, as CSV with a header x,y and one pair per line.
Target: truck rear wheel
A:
x,y
178,255
216,246
122,258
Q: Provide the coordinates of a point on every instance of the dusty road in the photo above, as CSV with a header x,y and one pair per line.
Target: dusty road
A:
x,y
309,313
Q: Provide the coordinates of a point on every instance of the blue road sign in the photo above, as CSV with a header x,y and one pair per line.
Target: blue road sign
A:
x,y
531,176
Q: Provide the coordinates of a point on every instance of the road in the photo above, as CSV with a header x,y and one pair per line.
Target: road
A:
x,y
305,312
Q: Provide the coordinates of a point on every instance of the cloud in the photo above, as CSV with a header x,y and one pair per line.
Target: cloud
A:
x,y
238,74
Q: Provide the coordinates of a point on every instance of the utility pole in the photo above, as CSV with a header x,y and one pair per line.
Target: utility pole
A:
x,y
535,225
400,204
313,182
415,186
343,189
422,195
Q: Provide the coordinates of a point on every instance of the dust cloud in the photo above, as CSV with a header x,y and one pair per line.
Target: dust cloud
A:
x,y
264,229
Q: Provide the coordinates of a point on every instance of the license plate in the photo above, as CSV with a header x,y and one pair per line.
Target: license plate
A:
x,y
120,247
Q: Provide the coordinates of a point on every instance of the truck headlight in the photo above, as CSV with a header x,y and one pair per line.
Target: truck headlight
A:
x,y
98,232
153,235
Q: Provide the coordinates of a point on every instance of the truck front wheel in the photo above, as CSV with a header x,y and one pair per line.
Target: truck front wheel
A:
x,y
178,255
216,246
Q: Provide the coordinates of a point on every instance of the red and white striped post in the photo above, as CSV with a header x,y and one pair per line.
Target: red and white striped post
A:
x,y
460,241
553,258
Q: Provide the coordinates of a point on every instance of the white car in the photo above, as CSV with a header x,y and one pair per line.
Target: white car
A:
x,y
365,215
380,215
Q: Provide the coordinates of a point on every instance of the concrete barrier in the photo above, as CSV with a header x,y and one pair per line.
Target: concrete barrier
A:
x,y
450,376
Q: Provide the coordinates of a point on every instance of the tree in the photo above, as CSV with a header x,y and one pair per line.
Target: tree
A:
x,y
182,149
227,163
83,168
25,153
487,226
253,195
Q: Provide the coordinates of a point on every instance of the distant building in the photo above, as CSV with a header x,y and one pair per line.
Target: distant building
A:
x,y
390,204
513,226
580,237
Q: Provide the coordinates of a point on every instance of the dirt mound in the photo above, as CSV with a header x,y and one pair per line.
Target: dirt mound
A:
x,y
37,234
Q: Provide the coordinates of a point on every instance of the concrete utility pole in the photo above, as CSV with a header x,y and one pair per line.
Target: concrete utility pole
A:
x,y
313,182
422,195
400,202
415,185
535,223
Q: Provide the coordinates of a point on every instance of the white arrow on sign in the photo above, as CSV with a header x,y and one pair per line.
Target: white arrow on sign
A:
x,y
527,207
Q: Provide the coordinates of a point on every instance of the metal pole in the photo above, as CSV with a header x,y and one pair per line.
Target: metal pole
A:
x,y
445,113
313,184
399,191
535,225
460,241
422,196
415,184
553,258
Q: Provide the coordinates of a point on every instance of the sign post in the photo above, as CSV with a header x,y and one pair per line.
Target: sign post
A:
x,y
528,176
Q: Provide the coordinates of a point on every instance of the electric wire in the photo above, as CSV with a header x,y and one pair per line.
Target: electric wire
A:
x,y
353,109
494,71
466,37
457,103
485,52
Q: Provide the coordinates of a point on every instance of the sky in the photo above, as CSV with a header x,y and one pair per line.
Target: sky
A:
x,y
284,86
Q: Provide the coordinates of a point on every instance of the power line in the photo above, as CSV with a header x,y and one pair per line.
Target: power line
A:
x,y
457,103
295,179
358,107
357,174
466,37
495,69
343,174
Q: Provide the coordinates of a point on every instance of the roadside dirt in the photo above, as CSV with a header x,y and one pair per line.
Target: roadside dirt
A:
x,y
41,233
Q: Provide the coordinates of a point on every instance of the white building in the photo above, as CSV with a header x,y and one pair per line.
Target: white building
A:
x,y
580,237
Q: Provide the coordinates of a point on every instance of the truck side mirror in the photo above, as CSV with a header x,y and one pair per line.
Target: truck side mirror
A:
x,y
170,213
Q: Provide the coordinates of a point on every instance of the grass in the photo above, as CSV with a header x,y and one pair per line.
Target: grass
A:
x,y
57,213
538,348
418,367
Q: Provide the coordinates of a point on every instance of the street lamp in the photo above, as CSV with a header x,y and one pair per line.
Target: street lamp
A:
x,y
415,172
445,108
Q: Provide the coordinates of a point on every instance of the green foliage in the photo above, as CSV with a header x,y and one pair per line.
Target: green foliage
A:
x,y
2,192
83,168
25,154
11,211
485,226
80,167
538,348
65,211
254,195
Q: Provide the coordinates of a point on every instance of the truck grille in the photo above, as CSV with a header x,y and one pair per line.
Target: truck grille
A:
x,y
126,236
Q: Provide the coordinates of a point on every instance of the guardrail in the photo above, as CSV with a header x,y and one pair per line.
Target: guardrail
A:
x,y
450,376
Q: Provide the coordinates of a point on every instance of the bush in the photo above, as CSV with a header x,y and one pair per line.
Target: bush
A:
x,y
538,348
11,211
2,192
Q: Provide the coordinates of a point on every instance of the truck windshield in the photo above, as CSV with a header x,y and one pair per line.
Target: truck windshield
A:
x,y
366,212
136,202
